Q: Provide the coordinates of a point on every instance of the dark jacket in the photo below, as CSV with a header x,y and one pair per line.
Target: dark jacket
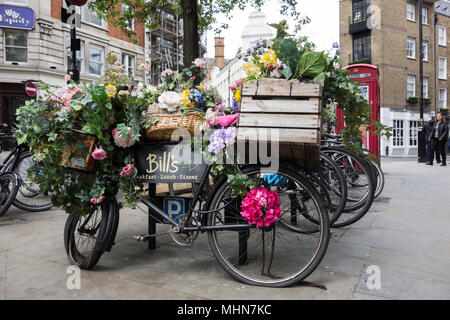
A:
x,y
442,131
427,128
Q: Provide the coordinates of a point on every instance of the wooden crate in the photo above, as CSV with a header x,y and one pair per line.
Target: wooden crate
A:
x,y
291,108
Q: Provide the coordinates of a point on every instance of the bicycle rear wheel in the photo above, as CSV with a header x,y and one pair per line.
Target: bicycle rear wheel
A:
x,y
29,197
9,187
276,256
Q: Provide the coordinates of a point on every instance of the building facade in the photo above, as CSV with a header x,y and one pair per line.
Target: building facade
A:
x,y
35,45
386,34
223,73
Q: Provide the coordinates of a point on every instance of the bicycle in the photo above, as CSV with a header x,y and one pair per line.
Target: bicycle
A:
x,y
18,164
276,256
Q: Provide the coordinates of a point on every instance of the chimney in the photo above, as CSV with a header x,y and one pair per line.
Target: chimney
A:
x,y
219,45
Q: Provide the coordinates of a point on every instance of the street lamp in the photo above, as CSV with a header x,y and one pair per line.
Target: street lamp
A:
x,y
421,143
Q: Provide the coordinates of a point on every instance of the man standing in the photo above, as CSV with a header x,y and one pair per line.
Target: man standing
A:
x,y
438,138
427,128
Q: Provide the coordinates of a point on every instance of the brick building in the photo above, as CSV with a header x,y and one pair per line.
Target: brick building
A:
x,y
386,34
34,45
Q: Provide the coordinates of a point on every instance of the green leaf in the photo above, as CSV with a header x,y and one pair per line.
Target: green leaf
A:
x,y
286,72
290,53
311,65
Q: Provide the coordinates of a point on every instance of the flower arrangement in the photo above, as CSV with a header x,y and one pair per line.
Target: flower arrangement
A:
x,y
261,207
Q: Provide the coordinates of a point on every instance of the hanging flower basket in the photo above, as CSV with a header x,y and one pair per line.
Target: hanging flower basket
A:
x,y
79,155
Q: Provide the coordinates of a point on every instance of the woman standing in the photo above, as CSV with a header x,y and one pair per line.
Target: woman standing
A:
x,y
438,138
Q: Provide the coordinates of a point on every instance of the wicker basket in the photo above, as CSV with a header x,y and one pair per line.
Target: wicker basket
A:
x,y
168,123
91,163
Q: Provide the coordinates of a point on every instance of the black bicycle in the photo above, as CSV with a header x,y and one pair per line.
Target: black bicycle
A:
x,y
17,188
276,256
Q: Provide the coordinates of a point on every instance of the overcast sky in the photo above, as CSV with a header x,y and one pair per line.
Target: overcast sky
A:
x,y
323,29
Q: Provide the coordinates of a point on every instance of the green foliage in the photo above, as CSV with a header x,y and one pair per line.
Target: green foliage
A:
x,y
311,65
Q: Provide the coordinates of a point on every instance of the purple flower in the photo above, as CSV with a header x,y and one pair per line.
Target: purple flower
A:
x,y
335,45
221,138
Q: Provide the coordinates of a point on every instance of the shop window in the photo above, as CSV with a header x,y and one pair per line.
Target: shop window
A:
x,y
361,47
128,63
413,133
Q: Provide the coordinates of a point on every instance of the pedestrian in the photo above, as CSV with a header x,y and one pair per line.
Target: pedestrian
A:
x,y
438,138
427,128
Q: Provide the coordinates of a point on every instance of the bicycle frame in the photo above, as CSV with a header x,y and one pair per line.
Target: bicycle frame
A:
x,y
184,225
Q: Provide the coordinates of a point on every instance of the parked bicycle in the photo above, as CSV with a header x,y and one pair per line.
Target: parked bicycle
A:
x,y
16,187
276,256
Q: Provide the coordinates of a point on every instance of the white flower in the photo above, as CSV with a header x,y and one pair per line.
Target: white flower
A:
x,y
169,100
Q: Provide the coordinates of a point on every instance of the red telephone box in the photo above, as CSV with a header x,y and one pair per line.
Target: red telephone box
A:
x,y
367,77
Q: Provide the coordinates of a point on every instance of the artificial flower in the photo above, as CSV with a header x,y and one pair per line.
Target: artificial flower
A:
x,y
99,154
261,207
122,142
200,63
170,101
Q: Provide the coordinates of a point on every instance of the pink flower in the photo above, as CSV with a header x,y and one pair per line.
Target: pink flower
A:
x,y
100,200
200,63
94,201
192,78
261,207
128,170
99,154
228,120
123,142
118,64
67,77
167,73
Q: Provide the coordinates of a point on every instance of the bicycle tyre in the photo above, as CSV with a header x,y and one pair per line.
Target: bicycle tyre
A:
x,y
20,203
320,250
9,186
355,212
380,181
104,236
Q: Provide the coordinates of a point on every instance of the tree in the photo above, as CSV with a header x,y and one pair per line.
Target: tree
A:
x,y
198,16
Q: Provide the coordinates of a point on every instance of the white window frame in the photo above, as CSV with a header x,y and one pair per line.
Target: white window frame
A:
x,y
80,54
442,68
425,50
424,15
442,102
410,40
410,6
102,49
130,26
125,63
92,13
425,87
409,83
6,30
398,133
413,133
442,36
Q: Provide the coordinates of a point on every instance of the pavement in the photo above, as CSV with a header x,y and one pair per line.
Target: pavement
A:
x,y
404,240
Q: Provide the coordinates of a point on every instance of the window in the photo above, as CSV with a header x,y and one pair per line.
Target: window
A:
x,y
411,86
16,45
411,47
96,60
411,12
424,15
443,68
93,18
130,25
361,47
361,10
442,36
397,133
442,98
413,133
425,87
128,63
425,50
80,55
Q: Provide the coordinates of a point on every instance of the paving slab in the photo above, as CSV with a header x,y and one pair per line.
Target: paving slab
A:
x,y
404,287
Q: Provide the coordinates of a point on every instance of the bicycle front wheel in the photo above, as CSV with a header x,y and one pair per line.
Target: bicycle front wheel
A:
x,y
276,256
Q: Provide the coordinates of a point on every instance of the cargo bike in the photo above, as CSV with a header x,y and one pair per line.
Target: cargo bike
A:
x,y
278,255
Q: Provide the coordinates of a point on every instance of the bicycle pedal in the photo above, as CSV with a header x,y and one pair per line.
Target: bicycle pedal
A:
x,y
142,237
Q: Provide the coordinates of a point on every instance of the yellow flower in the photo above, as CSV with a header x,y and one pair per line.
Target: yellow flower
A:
x,y
202,86
269,58
111,90
237,95
251,69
